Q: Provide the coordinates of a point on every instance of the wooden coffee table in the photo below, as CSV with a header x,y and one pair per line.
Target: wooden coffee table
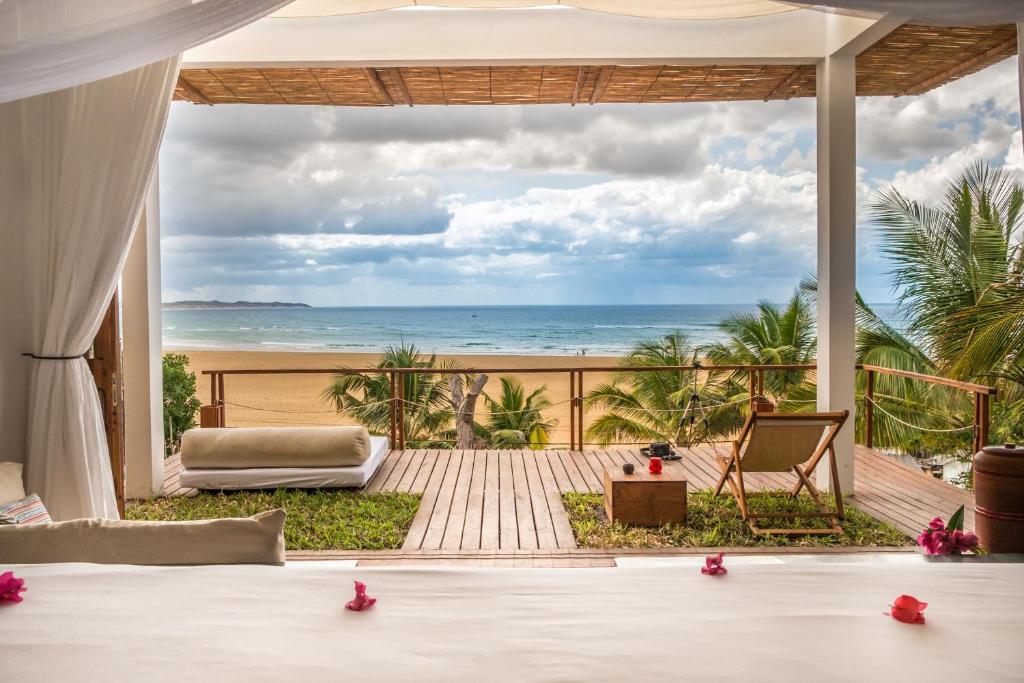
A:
x,y
645,499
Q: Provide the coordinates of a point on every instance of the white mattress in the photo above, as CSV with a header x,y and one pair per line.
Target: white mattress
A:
x,y
759,623
291,477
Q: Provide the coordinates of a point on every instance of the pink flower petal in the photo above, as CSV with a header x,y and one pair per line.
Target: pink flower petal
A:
x,y
713,565
11,588
361,601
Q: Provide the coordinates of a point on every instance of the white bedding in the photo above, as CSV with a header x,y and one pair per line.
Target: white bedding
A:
x,y
291,477
788,622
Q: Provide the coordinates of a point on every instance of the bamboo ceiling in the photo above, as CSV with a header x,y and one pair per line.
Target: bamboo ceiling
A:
x,y
911,60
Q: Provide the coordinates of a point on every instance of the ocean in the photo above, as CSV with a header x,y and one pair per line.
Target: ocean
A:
x,y
525,330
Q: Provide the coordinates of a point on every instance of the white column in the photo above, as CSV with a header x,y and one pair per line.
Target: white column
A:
x,y
1020,69
143,374
837,222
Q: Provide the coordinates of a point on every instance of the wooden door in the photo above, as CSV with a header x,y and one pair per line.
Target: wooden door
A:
x,y
105,363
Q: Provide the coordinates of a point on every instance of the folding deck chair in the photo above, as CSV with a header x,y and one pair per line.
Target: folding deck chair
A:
x,y
784,442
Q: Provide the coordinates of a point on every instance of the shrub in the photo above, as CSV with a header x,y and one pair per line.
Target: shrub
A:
x,y
180,402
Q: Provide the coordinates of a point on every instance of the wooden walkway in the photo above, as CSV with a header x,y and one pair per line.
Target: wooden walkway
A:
x,y
488,503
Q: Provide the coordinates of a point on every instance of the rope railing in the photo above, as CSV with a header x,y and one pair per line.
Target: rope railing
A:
x,y
913,426
213,414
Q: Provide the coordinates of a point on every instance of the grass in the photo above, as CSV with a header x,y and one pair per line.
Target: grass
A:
x,y
715,522
317,520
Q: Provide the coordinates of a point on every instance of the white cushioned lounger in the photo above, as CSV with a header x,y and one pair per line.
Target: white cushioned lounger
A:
x,y
291,477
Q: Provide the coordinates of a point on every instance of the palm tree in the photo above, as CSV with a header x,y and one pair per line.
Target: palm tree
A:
x,y
959,277
648,406
899,401
959,269
427,414
775,336
515,418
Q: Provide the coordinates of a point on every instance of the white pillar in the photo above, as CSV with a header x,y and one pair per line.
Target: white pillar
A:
x,y
837,223
143,374
1020,69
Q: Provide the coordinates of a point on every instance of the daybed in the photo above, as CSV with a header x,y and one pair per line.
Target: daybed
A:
x,y
273,457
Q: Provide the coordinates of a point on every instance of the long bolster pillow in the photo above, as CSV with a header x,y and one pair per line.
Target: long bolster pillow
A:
x,y
241,448
252,540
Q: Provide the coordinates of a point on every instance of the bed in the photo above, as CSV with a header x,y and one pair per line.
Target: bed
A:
x,y
761,622
284,475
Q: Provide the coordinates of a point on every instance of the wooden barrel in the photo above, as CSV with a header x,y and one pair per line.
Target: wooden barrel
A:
x,y
999,498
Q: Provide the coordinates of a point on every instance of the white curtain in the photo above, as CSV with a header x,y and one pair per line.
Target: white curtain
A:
x,y
74,167
47,45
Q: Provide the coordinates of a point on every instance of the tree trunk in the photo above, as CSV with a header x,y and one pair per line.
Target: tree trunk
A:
x,y
465,409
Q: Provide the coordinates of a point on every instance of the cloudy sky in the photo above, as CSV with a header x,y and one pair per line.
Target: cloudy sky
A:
x,y
620,204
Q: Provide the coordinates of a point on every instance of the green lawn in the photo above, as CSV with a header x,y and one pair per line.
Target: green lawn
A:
x,y
317,520
716,522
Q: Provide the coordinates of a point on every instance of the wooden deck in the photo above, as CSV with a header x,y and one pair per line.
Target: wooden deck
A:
x,y
487,506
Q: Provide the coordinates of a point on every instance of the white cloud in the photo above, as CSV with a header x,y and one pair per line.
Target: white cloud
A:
x,y
713,202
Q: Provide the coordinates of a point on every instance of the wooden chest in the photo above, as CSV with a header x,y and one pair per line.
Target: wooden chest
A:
x,y
645,499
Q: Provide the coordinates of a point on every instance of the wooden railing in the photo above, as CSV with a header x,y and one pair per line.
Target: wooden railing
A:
x,y
214,413
982,401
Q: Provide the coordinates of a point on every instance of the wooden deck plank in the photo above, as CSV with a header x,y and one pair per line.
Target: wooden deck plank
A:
x,y
446,492
539,503
592,478
490,534
398,471
378,479
564,538
415,462
430,458
527,528
452,537
425,512
579,484
509,527
554,463
472,527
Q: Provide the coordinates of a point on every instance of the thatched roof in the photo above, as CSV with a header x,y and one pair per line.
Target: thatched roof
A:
x,y
911,60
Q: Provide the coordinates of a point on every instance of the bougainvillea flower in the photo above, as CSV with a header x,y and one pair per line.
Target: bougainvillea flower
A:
x,y
11,588
908,609
362,600
937,524
964,541
713,565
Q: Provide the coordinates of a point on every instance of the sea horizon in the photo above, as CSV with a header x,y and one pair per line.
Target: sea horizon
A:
x,y
540,330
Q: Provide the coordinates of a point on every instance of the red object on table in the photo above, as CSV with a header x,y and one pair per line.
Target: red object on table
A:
x,y
655,466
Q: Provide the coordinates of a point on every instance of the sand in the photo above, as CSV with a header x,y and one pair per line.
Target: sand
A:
x,y
291,400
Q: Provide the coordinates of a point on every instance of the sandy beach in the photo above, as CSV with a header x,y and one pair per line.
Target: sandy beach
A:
x,y
283,400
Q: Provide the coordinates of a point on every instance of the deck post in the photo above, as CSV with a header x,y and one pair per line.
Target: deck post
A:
x,y
837,221
572,410
579,409
869,411
393,411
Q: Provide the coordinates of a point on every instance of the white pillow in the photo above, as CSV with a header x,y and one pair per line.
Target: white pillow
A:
x,y
11,485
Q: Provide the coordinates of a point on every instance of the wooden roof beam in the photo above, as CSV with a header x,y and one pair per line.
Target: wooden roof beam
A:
x,y
1009,47
378,87
196,96
604,77
396,76
783,91
581,76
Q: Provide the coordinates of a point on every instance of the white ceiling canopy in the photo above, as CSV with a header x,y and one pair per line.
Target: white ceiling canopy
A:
x,y
950,12
653,9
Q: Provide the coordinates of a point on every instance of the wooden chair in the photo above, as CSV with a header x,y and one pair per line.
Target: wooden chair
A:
x,y
785,442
